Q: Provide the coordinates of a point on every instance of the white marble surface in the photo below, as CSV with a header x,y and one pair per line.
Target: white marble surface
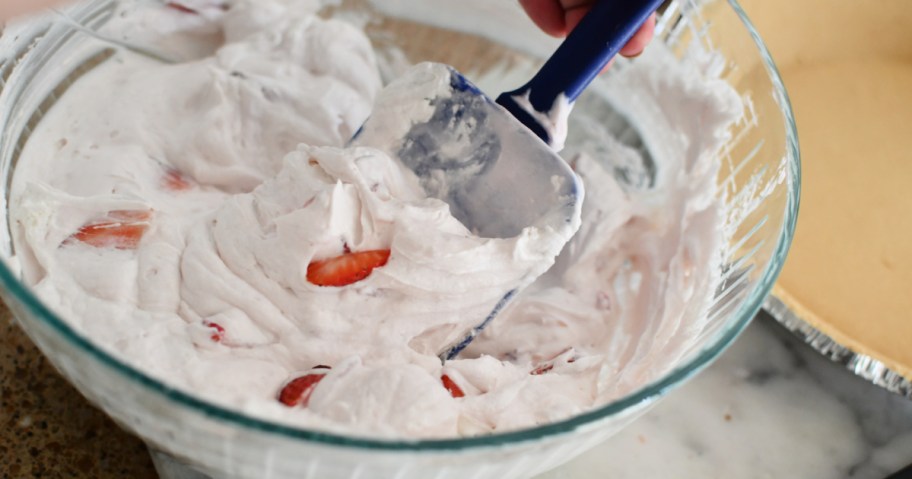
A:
x,y
770,407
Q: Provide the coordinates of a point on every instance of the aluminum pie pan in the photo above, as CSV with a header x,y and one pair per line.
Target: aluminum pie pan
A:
x,y
862,365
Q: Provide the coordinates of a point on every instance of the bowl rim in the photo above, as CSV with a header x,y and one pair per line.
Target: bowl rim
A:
x,y
644,395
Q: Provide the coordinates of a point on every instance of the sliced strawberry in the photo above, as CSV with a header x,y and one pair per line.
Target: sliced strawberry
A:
x,y
180,8
451,386
112,235
568,355
346,269
120,229
175,181
297,391
218,333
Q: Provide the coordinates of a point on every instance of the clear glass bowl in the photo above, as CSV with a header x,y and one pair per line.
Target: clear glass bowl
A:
x,y
191,438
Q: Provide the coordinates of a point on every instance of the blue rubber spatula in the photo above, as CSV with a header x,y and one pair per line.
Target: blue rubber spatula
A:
x,y
497,174
599,36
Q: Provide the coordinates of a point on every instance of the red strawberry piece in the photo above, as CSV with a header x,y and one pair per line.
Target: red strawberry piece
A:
x,y
297,391
180,8
346,269
175,181
451,386
120,229
218,332
568,354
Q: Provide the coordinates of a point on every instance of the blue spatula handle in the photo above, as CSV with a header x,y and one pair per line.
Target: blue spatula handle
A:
x,y
581,57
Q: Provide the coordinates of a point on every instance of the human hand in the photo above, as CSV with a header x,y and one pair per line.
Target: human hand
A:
x,y
12,8
559,17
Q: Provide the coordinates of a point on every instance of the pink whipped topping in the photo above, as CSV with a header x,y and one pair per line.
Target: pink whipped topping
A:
x,y
227,174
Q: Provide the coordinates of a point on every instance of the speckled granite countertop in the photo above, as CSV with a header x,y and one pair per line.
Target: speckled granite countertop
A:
x,y
48,430
770,407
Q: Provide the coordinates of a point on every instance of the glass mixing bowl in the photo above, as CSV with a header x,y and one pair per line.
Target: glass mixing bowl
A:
x,y
191,438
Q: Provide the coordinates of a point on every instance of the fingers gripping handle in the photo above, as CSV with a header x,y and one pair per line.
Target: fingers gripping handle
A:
x,y
590,46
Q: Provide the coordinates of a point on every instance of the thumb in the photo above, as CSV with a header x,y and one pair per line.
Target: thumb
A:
x,y
13,8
